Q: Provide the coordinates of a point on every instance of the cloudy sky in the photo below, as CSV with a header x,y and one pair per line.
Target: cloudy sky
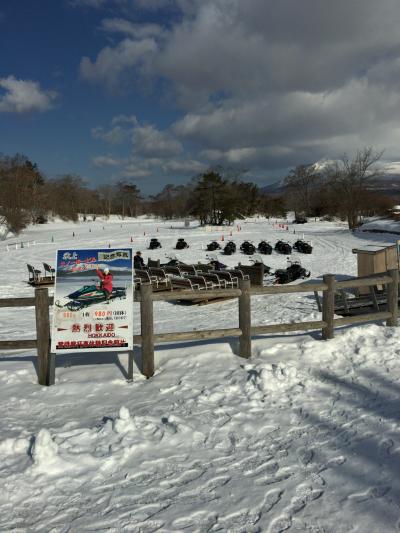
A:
x,y
157,91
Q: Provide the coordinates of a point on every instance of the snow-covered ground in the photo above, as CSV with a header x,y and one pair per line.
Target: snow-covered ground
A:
x,y
304,436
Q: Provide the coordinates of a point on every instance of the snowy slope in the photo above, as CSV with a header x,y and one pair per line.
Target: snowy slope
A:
x,y
302,437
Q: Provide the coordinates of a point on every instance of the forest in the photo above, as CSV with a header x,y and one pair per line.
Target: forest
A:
x,y
344,188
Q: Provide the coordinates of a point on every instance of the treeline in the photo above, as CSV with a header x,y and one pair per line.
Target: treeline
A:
x,y
343,188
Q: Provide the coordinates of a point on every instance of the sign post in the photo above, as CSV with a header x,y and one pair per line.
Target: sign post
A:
x,y
93,301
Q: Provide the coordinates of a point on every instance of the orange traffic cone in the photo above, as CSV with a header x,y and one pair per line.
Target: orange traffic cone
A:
x,y
222,238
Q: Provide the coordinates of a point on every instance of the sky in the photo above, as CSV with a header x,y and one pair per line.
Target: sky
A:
x,y
158,91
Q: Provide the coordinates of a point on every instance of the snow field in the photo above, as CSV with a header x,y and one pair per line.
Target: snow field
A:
x,y
304,436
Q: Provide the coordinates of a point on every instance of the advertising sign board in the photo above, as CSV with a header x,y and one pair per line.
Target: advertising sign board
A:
x,y
93,300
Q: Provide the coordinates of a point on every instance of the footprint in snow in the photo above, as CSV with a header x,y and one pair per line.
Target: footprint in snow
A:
x,y
370,494
335,461
271,499
305,456
282,523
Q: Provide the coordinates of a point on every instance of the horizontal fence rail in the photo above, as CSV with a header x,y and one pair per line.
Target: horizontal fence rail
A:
x,y
148,338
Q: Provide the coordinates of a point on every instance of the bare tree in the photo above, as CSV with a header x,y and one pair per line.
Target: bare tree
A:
x,y
350,180
301,186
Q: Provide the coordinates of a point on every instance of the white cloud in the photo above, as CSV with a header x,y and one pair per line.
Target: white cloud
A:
x,y
24,96
115,135
137,31
149,142
107,161
112,62
133,170
186,167
124,119
261,84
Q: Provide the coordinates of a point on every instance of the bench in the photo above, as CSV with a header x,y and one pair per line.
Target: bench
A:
x,y
34,274
183,283
227,277
200,281
159,274
142,276
238,273
217,281
188,269
49,269
173,270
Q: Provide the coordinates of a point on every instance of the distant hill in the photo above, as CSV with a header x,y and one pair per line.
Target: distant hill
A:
x,y
274,189
388,184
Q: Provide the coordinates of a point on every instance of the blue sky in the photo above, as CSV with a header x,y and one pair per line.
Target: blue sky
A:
x,y
157,91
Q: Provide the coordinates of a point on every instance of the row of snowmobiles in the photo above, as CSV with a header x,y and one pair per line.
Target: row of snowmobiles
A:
x,y
247,247
180,244
263,247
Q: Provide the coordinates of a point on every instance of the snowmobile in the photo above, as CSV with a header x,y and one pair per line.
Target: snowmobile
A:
x,y
213,246
303,247
283,247
230,248
257,260
247,248
181,244
154,243
291,273
90,295
173,261
264,248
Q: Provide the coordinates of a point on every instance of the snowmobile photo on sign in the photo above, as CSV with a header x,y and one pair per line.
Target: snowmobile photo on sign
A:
x,y
93,300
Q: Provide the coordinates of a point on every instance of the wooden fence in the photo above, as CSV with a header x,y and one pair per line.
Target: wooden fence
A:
x,y
148,338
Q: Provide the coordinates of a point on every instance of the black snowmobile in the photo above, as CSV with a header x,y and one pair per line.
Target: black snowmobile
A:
x,y
283,247
247,248
291,273
181,244
212,246
303,247
230,248
264,248
154,243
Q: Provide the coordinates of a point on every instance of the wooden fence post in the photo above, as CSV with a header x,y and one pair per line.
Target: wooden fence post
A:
x,y
43,334
130,365
393,297
147,329
245,318
328,306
